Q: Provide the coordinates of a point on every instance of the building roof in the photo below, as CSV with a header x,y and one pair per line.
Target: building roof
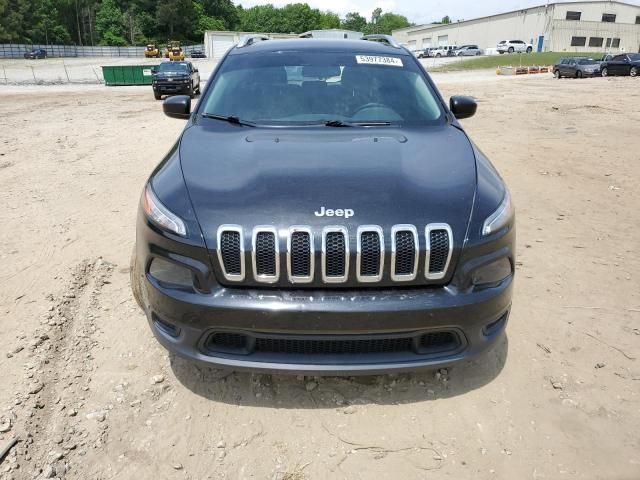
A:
x,y
428,26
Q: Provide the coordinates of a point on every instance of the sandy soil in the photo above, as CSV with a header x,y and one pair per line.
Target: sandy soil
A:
x,y
89,393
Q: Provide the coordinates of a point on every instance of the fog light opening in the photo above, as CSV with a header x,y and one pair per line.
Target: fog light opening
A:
x,y
166,327
494,327
493,273
170,273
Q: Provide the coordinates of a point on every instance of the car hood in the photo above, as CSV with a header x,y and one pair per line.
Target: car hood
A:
x,y
255,176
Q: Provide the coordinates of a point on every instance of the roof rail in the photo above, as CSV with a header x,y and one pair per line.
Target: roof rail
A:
x,y
247,40
388,39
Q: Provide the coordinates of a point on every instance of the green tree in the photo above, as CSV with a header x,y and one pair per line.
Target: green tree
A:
x,y
176,17
329,20
354,21
109,24
223,10
387,22
13,20
299,17
205,22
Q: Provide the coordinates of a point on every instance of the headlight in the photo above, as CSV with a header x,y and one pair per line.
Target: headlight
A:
x,y
159,214
500,217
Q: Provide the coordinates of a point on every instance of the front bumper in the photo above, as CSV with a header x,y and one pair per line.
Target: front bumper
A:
x,y
171,88
185,322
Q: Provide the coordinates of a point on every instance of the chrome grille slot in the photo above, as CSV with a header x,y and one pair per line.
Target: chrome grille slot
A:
x,y
300,261
335,254
404,252
265,254
370,253
231,252
439,248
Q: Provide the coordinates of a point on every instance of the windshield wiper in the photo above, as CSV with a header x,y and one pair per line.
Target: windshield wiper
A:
x,y
229,118
340,123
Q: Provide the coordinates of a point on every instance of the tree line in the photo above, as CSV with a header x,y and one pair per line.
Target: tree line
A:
x,y
136,22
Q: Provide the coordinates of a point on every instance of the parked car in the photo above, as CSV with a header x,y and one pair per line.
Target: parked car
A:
x,y
468,51
174,78
624,64
576,67
513,46
426,53
267,242
198,54
35,53
444,51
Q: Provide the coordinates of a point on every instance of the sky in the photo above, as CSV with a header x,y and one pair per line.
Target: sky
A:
x,y
416,11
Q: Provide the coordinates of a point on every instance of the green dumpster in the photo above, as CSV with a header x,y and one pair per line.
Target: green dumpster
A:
x,y
127,74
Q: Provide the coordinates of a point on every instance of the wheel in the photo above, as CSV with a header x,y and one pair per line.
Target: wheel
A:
x,y
578,74
529,49
511,50
135,275
198,89
438,55
633,72
158,96
478,54
192,92
556,73
605,72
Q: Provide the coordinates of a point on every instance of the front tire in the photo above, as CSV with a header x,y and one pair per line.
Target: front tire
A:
x,y
511,50
633,72
438,55
556,73
157,96
529,49
604,72
578,74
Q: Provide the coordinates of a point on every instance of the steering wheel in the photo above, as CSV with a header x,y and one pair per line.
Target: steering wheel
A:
x,y
370,105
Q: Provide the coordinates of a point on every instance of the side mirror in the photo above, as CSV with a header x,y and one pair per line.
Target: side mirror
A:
x,y
462,107
195,70
177,107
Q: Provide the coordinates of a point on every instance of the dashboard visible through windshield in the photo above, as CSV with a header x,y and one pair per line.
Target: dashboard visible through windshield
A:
x,y
285,88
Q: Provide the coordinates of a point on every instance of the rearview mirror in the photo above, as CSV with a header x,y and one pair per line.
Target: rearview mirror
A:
x,y
462,107
177,107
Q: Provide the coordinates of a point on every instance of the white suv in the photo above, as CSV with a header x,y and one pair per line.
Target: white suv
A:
x,y
510,46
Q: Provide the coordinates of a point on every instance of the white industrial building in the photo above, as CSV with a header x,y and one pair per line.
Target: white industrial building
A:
x,y
217,42
588,26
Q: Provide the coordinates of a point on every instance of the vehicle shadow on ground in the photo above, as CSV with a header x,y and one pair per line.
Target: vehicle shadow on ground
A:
x,y
289,391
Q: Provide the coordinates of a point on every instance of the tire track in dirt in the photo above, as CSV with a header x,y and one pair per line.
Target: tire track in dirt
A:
x,y
49,414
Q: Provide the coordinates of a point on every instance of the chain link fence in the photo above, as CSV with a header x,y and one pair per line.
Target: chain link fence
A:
x,y
17,50
68,64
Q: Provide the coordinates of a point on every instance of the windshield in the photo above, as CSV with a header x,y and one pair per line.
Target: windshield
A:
x,y
291,88
587,61
173,67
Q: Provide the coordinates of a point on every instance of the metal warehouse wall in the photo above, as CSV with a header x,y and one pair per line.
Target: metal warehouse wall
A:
x,y
564,30
592,11
530,24
217,42
524,25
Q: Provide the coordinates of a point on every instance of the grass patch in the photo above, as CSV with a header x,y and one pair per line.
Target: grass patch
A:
x,y
514,59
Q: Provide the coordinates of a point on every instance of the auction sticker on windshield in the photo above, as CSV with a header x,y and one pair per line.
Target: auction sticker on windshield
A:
x,y
374,60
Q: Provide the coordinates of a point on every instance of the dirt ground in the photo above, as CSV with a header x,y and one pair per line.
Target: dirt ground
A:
x,y
89,394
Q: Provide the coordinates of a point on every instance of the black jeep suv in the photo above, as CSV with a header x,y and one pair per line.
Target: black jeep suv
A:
x,y
324,212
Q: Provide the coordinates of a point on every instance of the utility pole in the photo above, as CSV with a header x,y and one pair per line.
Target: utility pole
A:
x,y
78,25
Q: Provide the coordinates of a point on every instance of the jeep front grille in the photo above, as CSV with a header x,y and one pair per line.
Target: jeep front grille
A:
x,y
335,254
438,253
334,242
231,252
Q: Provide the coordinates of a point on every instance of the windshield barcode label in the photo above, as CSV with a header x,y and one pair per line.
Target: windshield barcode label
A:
x,y
372,60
